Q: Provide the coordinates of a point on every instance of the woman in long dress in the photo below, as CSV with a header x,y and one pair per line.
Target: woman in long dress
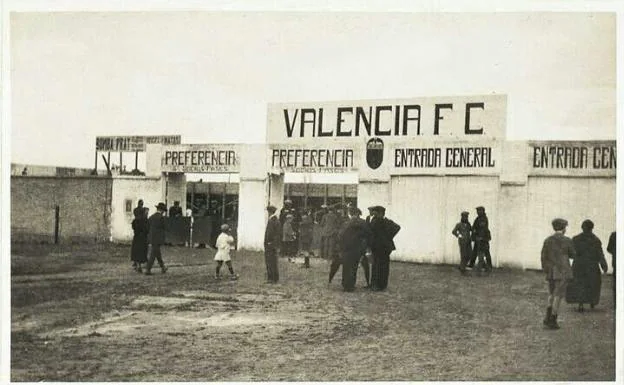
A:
x,y
585,289
138,252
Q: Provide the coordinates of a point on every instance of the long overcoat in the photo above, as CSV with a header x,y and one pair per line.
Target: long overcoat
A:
x,y
585,287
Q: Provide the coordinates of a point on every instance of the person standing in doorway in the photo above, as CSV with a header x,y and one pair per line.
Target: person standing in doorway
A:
x,y
557,251
272,239
156,238
383,232
225,245
463,232
175,210
481,236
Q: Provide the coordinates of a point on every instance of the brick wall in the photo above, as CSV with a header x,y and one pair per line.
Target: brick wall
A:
x,y
85,204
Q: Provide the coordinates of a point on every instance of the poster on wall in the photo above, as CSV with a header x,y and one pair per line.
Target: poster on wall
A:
x,y
572,158
460,117
201,158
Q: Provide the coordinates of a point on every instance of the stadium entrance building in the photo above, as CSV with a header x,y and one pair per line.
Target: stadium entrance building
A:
x,y
424,159
428,159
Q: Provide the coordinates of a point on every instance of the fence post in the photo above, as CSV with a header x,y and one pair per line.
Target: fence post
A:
x,y
57,210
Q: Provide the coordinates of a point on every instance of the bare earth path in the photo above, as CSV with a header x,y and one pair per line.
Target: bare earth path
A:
x,y
81,314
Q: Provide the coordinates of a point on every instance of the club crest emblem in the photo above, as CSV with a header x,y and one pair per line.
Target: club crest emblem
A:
x,y
374,153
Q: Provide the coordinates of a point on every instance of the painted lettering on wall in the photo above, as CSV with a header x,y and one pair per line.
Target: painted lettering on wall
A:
x,y
199,158
380,120
304,160
574,157
449,157
458,117
133,143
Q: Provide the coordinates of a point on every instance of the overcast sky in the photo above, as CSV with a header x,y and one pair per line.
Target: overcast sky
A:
x,y
208,76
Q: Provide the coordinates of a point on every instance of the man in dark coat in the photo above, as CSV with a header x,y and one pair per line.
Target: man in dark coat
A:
x,y
481,237
611,248
353,241
463,232
156,238
175,210
139,249
272,240
555,256
383,231
586,271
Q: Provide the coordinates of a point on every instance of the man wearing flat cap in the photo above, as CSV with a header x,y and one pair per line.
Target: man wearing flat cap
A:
x,y
463,233
481,236
556,254
156,238
287,210
353,241
329,233
272,241
383,231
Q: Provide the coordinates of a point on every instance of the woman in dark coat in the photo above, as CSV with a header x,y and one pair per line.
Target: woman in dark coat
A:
x,y
586,268
138,252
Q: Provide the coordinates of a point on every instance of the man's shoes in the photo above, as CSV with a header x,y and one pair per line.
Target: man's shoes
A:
x,y
164,270
233,277
552,324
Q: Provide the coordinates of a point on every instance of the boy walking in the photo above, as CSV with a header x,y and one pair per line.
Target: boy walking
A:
x,y
225,243
556,252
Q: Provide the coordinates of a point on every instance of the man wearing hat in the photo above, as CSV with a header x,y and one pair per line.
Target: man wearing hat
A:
x,y
272,240
353,240
383,231
156,238
463,232
481,236
556,253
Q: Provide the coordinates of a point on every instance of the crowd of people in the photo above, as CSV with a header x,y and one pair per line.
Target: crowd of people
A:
x,y
349,241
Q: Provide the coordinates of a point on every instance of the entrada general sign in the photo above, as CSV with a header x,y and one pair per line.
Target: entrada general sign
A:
x,y
572,158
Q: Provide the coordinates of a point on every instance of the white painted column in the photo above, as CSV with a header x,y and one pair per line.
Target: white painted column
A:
x,y
252,197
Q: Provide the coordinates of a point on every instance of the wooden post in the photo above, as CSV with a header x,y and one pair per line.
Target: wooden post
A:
x,y
57,210
136,160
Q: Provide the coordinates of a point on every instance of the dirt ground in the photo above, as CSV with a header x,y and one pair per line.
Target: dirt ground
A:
x,y
80,313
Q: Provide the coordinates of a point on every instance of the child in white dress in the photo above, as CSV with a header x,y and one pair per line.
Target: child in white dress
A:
x,y
225,243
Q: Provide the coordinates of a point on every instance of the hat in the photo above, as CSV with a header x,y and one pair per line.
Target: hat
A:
x,y
379,209
559,224
287,201
271,208
465,213
480,208
161,206
225,227
323,206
